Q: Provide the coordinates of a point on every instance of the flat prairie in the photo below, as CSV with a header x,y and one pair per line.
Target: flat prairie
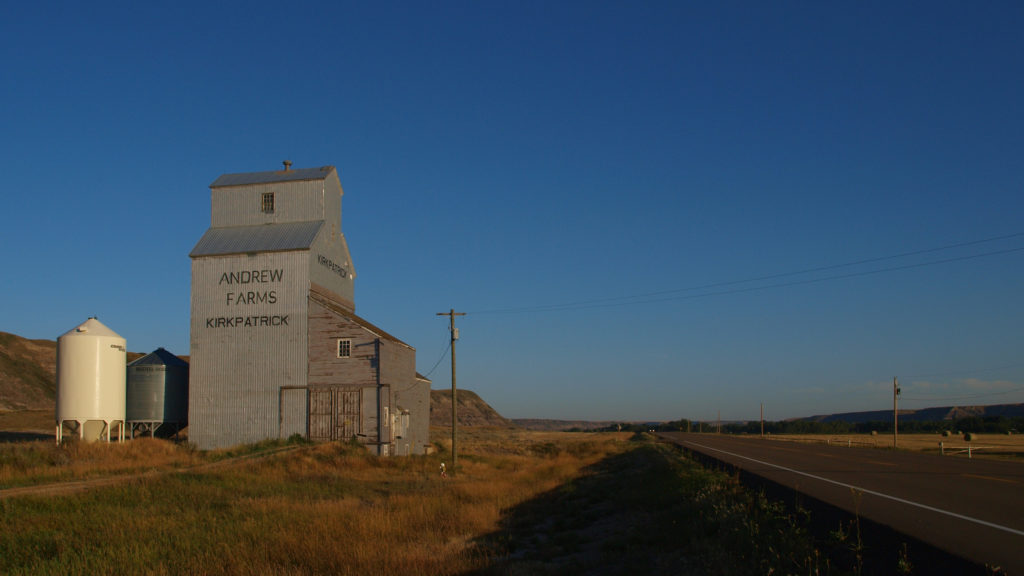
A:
x,y
27,421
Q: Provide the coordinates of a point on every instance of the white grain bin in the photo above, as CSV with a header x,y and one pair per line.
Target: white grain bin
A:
x,y
91,382
157,394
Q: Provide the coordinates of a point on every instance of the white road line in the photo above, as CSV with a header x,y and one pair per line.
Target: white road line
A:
x,y
866,491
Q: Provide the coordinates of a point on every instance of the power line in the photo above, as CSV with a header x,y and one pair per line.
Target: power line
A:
x,y
662,296
841,276
441,357
973,371
448,345
737,287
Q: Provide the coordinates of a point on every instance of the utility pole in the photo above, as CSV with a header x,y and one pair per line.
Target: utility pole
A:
x,y
451,314
762,419
895,412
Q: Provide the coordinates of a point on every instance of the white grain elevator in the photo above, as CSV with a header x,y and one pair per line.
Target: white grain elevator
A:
x,y
276,347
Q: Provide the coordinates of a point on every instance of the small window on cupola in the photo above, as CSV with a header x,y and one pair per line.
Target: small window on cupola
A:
x,y
267,203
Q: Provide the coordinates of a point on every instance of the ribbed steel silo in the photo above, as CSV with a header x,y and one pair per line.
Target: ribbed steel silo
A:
x,y
91,382
157,394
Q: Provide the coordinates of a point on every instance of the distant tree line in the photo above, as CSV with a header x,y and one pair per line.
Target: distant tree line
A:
x,y
674,426
975,424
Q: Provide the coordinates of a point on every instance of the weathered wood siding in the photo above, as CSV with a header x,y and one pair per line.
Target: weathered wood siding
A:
x,y
375,360
398,362
325,368
335,413
416,399
357,372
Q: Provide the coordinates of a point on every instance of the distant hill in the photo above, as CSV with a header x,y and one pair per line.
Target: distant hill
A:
x,y
473,411
28,372
28,381
562,425
924,414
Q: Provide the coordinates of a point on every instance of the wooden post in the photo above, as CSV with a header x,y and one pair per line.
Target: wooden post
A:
x,y
895,412
451,314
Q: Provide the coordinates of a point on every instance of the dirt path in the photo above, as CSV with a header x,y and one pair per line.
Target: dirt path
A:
x,y
75,486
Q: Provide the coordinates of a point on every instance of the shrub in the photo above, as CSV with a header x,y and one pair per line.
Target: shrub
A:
x,y
298,439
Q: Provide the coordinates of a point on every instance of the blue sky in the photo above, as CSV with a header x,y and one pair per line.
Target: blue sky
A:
x,y
625,197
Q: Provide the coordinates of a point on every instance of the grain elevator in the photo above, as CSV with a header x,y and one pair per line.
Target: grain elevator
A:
x,y
276,346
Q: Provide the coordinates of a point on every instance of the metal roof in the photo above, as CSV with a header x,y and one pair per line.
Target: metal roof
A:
x,y
92,328
258,238
272,176
159,357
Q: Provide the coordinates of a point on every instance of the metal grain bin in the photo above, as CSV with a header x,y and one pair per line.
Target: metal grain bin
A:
x,y
157,394
91,382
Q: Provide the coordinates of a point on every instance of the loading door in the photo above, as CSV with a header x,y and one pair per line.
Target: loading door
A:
x,y
334,413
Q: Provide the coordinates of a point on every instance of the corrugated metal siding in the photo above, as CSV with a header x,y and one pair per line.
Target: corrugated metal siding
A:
x,y
159,357
260,238
332,202
157,389
243,353
252,378
330,268
157,393
294,411
243,178
300,201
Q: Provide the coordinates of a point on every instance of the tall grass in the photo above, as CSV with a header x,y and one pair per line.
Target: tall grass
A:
x,y
649,510
323,509
519,503
38,462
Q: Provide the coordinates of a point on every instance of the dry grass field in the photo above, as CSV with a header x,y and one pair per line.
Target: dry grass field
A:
x,y
27,421
313,509
520,503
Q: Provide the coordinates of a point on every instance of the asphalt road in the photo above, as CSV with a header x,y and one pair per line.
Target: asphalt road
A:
x,y
973,508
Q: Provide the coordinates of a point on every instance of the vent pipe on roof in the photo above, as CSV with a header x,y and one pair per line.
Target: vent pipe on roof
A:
x,y
287,165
